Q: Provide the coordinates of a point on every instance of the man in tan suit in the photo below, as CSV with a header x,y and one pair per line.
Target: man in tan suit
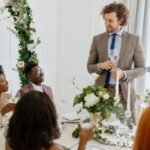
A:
x,y
35,76
125,56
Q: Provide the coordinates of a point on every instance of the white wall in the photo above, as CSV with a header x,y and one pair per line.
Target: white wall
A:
x,y
77,22
45,17
66,28
8,52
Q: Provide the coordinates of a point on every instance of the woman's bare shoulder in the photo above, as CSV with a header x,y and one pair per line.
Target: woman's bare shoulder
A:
x,y
55,147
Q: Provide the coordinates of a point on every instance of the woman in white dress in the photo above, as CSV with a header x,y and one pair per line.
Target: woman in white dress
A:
x,y
5,107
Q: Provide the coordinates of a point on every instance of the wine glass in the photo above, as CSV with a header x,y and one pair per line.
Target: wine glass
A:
x,y
114,59
113,56
85,119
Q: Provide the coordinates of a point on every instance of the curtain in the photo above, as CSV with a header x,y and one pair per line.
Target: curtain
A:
x,y
139,24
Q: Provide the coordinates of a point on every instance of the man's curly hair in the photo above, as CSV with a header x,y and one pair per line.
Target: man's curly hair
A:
x,y
120,9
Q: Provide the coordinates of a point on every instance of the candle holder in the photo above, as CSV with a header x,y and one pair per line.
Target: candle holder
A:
x,y
117,99
128,114
129,120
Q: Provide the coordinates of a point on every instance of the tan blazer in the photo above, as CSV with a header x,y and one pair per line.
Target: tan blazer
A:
x,y
29,87
131,54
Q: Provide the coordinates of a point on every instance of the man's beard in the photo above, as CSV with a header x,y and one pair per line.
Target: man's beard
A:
x,y
110,29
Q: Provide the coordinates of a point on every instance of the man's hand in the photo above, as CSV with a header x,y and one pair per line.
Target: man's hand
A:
x,y
114,73
7,108
109,64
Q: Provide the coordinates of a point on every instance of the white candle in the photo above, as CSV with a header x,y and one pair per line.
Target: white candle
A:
x,y
117,85
128,97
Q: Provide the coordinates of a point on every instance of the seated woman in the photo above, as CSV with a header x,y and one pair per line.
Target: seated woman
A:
x,y
5,106
142,139
33,126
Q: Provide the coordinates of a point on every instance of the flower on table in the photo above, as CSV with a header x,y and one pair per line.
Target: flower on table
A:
x,y
99,103
95,99
95,76
104,95
91,100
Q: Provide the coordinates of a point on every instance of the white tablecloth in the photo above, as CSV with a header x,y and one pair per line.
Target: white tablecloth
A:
x,y
71,143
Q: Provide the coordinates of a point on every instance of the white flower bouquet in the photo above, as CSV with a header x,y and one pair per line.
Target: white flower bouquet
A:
x,y
99,103
96,100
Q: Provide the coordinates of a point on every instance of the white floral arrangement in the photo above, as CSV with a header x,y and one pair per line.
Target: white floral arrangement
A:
x,y
99,103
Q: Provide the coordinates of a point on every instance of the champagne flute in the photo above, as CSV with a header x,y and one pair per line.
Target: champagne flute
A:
x,y
114,59
113,56
85,119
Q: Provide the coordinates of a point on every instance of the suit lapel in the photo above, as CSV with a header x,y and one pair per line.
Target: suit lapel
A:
x,y
45,90
123,51
105,46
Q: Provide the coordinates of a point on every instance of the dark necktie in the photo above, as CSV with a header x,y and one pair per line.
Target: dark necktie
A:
x,y
112,46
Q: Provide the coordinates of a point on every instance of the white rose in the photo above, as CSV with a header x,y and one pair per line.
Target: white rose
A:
x,y
32,25
20,17
106,96
20,64
30,47
14,9
100,93
91,100
24,16
31,50
95,76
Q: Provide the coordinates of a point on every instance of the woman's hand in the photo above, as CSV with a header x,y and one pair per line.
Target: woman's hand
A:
x,y
7,108
85,135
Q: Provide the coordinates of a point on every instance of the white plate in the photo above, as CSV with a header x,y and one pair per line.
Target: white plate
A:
x,y
90,147
70,117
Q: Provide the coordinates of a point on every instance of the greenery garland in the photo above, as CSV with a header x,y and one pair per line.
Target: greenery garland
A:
x,y
21,15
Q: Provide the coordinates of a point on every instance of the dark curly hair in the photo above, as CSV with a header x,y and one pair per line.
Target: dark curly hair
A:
x,y
29,66
1,70
120,9
33,125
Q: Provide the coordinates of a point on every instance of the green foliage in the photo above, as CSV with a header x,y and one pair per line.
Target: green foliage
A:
x,y
103,129
100,104
75,133
110,129
98,137
119,112
104,106
21,15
